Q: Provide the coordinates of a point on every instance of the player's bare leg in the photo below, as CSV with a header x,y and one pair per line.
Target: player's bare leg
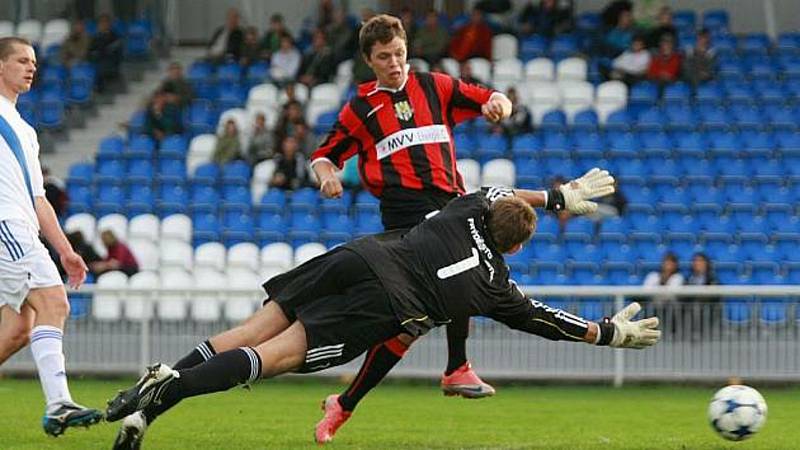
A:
x,y
51,310
263,325
15,330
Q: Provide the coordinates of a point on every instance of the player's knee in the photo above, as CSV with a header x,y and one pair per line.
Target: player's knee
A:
x,y
58,308
19,336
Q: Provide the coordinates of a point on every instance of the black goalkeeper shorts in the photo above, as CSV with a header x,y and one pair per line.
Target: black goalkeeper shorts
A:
x,y
340,302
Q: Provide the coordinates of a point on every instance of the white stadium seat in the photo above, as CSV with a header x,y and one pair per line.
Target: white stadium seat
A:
x,y
244,255
262,174
144,226
270,116
419,65
30,29
481,69
146,253
54,32
308,251
499,172
172,306
540,69
576,96
544,97
201,149
108,306
610,96
450,67
278,255
176,254
314,110
471,171
344,74
116,223
85,223
6,28
205,306
140,306
239,306
268,272
210,255
507,72
574,69
177,227
300,94
504,46
263,96
242,119
326,94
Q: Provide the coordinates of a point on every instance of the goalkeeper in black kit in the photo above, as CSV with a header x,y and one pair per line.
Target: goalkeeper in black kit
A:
x,y
335,307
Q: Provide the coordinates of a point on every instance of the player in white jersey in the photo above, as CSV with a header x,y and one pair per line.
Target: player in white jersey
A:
x,y
33,302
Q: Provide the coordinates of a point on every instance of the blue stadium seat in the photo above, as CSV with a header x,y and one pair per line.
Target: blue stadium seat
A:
x,y
524,145
677,93
781,117
614,225
614,247
644,245
737,312
141,200
692,144
533,46
80,199
747,117
137,123
230,96
619,273
728,272
368,223
234,193
774,311
141,147
709,93
340,205
760,143
593,309
140,170
585,120
714,118
236,172
656,143
366,202
109,199
137,41
464,144
325,121
173,147
111,147
643,94
204,199
207,174
765,273
780,218
257,73
80,174
682,244
336,228
172,171
111,171
491,146
619,120
201,117
520,262
237,229
172,199
624,145
554,253
554,120
272,227
651,119
563,46
205,228
229,73
305,200
716,19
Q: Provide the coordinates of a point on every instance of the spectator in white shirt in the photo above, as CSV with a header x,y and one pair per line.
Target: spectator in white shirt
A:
x,y
285,62
631,66
668,276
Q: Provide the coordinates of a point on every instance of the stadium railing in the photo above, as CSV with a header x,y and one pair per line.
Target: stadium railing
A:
x,y
745,331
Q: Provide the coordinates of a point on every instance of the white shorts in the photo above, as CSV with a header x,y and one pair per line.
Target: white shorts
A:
x,y
25,263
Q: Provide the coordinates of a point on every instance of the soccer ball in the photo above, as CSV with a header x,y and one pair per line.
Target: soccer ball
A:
x,y
737,412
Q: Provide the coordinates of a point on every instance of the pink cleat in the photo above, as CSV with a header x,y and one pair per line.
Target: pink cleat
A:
x,y
334,418
466,383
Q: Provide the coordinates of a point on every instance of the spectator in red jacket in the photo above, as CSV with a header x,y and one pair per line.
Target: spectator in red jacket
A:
x,y
119,256
665,66
473,39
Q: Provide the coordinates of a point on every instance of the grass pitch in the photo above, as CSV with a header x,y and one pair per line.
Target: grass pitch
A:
x,y
281,415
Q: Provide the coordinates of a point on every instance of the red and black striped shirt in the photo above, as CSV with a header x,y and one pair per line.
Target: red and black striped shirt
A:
x,y
404,140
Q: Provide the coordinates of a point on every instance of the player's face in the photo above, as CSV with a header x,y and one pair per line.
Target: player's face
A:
x,y
16,71
388,61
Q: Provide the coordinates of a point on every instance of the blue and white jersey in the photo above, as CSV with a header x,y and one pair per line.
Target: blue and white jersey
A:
x,y
20,171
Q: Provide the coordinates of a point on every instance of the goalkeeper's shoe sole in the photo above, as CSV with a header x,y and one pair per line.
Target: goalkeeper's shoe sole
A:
x,y
466,383
145,393
69,415
131,433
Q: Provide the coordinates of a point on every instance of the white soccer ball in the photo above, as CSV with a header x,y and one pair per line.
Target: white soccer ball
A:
x,y
737,412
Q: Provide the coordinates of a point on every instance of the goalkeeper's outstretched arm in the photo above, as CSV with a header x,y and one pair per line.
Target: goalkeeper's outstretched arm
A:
x,y
574,196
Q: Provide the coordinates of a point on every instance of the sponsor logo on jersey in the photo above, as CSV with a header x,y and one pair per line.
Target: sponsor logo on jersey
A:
x,y
403,110
409,137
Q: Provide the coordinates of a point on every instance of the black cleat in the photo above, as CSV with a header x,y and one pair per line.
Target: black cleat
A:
x,y
69,415
131,434
146,392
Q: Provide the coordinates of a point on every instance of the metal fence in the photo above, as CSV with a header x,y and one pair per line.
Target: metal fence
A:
x,y
709,333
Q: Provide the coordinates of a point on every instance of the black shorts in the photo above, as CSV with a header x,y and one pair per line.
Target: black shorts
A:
x,y
340,302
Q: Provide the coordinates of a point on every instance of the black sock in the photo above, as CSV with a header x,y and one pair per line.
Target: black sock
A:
x,y
457,332
377,364
197,356
220,373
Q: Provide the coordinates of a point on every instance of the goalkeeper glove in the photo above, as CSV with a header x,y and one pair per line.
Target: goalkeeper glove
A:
x,y
630,334
574,196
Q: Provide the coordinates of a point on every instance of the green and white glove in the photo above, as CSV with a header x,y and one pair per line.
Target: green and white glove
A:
x,y
634,334
595,183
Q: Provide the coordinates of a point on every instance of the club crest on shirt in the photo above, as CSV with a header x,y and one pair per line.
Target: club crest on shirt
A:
x,y
403,110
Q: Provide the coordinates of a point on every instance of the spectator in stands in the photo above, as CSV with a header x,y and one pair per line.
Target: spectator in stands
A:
x,y
317,66
361,71
226,42
646,13
702,272
290,91
119,256
271,41
665,67
520,119
701,61
342,37
178,89
251,49
668,276
105,51
473,39
465,74
547,19
75,47
431,40
290,166
699,310
162,118
291,115
409,24
324,14
228,146
285,62
631,66
306,143
619,38
83,248
55,191
261,146
664,28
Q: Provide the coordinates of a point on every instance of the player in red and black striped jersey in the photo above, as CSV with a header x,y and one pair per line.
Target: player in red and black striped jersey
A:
x,y
400,126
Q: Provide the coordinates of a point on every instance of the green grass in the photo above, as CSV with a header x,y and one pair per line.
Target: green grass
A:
x,y
282,415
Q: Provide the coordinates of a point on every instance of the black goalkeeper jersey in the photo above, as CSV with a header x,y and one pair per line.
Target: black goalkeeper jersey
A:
x,y
447,268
